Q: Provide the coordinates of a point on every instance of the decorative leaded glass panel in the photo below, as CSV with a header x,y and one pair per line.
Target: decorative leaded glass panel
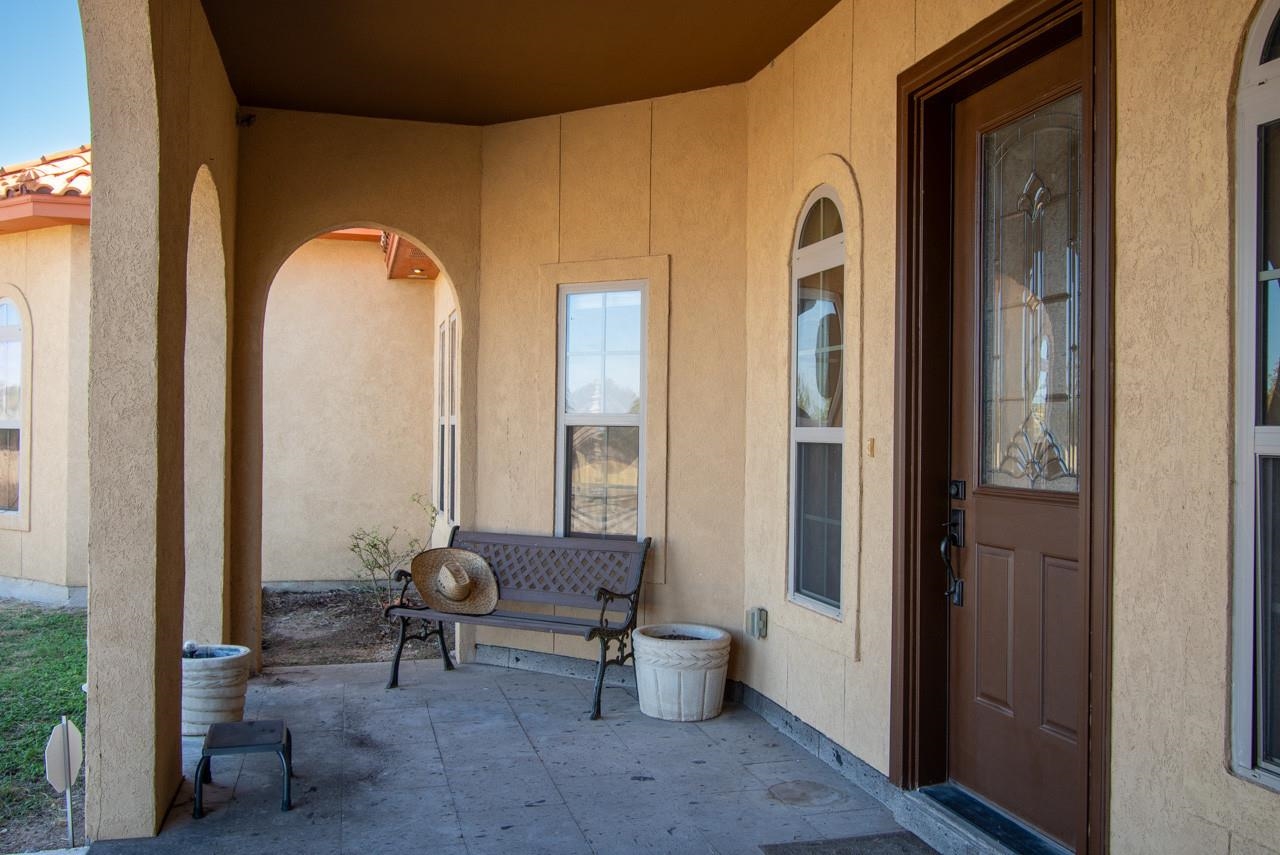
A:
x,y
1268,406
1031,224
820,349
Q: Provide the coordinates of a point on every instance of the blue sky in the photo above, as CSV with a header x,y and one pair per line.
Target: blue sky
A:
x,y
42,67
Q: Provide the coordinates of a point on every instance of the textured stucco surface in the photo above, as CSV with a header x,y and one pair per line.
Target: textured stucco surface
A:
x,y
347,408
46,270
162,107
605,195
205,418
714,181
432,197
1171,790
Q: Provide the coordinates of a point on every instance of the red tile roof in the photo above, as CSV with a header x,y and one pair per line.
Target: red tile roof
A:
x,y
64,173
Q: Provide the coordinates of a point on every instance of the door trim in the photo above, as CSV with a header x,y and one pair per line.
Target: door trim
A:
x,y
1017,34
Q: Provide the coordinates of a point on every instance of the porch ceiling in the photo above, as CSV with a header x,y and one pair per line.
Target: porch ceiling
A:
x,y
487,61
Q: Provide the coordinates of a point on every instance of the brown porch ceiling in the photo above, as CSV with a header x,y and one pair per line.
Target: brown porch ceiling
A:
x,y
479,62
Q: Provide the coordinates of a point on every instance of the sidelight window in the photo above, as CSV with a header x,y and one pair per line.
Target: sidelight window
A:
x,y
447,420
600,409
1256,592
817,404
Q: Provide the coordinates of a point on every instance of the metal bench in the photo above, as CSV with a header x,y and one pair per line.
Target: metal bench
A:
x,y
558,571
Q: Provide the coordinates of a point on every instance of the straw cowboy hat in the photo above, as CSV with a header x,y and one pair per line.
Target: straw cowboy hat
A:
x,y
455,580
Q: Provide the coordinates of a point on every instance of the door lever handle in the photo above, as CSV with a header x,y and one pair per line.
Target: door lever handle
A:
x,y
955,585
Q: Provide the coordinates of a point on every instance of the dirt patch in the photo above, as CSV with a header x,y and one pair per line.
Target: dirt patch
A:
x,y
331,628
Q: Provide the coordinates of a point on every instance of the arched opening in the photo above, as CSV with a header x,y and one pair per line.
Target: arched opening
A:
x,y
205,418
360,390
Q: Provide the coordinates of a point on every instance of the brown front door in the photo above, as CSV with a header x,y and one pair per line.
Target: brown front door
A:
x,y
1018,627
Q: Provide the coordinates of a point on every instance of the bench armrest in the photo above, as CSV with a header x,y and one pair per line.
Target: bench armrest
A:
x,y
606,597
402,576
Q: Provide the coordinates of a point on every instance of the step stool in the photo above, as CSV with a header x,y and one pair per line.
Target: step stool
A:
x,y
245,737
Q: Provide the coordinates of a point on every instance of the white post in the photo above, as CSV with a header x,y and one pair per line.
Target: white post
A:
x,y
66,761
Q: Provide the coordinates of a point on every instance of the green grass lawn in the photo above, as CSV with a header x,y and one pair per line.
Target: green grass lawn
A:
x,y
42,666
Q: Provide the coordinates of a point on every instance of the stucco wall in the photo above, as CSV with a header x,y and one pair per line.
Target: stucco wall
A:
x,y
303,174
162,106
714,180
621,185
1171,790
347,408
48,267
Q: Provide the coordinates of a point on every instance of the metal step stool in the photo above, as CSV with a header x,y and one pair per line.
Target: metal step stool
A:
x,y
245,737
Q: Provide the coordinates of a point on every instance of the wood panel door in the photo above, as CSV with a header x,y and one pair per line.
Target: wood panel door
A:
x,y
1018,627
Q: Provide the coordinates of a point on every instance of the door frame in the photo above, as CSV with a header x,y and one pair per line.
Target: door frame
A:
x,y
1022,31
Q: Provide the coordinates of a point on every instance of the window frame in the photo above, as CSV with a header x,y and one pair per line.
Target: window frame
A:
x,y
20,519
447,382
566,420
817,257
1257,105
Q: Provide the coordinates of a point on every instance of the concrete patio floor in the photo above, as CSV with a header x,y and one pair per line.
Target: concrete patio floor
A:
x,y
488,759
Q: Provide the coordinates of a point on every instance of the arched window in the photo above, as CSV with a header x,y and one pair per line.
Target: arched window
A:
x,y
1256,592
817,404
15,409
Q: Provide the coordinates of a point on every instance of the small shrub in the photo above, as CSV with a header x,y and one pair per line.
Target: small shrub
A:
x,y
379,557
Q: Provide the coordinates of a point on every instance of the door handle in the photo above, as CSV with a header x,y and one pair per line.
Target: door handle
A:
x,y
955,585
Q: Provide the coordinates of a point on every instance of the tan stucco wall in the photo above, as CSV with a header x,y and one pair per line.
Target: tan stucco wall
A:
x,y
347,408
629,186
714,180
49,268
205,418
303,174
1171,790
162,106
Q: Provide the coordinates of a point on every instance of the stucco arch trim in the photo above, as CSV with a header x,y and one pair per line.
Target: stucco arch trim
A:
x,y
832,175
205,415
284,249
20,520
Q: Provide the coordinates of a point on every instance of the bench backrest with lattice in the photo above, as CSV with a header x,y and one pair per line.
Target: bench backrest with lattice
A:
x,y
559,570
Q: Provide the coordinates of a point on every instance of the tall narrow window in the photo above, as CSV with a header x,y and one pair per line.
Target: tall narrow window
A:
x,y
1256,592
442,417
11,410
817,404
600,420
452,497
447,420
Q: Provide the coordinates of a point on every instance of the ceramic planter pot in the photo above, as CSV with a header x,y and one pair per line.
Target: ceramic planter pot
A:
x,y
213,686
680,670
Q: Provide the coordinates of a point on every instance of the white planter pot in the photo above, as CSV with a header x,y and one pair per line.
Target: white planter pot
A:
x,y
680,679
213,686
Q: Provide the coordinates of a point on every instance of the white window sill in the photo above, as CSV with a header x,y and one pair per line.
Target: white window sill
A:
x,y
1261,777
823,609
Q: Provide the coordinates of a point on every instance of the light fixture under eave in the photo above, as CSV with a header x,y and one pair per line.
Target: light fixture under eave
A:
x,y
407,261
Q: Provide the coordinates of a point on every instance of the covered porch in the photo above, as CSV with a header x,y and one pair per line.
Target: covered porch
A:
x,y
488,759
769,195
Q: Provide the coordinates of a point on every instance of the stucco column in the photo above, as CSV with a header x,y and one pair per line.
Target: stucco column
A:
x,y
245,507
137,262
